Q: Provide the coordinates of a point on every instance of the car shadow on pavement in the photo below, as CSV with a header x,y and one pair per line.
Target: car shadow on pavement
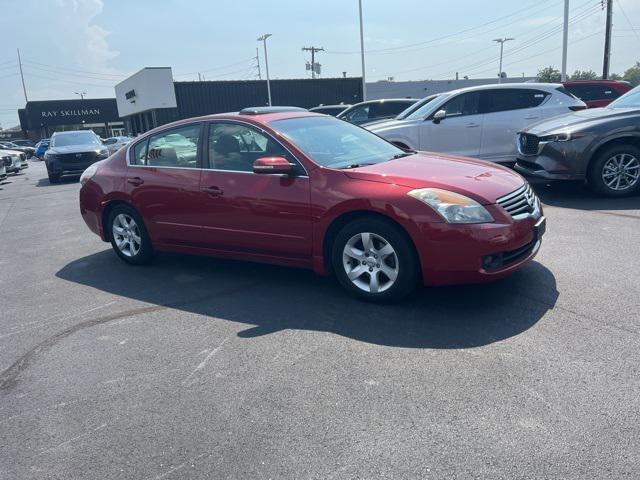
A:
x,y
44,182
271,298
577,195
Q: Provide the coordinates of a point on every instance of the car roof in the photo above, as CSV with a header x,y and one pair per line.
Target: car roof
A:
x,y
55,134
385,100
339,105
595,82
500,86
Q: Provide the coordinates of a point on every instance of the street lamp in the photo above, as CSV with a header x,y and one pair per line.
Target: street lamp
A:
x,y
263,39
82,94
501,41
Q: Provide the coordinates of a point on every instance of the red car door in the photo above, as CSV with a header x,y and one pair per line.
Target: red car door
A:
x,y
163,183
243,211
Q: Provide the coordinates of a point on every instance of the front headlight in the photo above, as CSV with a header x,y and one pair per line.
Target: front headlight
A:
x,y
453,207
561,137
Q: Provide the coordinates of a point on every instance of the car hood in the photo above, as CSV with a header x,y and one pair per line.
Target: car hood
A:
x,y
483,181
75,149
577,120
5,152
377,127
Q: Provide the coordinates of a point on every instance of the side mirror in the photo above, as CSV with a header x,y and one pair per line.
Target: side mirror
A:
x,y
273,165
439,116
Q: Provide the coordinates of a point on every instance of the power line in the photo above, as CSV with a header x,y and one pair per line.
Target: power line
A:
x,y
634,30
55,67
213,69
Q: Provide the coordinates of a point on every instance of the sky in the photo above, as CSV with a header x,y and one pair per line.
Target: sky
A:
x,y
70,46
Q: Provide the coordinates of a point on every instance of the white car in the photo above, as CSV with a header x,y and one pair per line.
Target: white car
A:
x,y
16,160
114,144
480,121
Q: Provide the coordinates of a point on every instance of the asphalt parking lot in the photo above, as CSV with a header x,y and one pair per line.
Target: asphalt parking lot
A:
x,y
202,368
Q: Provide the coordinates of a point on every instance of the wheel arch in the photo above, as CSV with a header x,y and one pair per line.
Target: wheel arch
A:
x,y
106,211
608,143
340,221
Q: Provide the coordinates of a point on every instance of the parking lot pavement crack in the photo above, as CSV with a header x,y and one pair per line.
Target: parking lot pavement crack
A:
x,y
10,376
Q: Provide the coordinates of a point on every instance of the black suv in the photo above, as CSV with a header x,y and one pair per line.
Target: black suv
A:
x,y
70,153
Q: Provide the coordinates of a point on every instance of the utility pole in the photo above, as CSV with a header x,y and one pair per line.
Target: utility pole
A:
x,y
313,51
364,82
263,39
24,89
565,40
607,41
199,77
258,60
82,94
501,41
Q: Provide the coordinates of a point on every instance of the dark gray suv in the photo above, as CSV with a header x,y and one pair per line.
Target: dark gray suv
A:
x,y
599,145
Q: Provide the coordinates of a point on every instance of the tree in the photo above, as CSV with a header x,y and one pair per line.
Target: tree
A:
x,y
549,74
615,76
584,75
632,75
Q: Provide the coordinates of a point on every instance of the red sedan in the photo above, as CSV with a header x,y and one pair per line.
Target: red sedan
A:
x,y
290,187
597,93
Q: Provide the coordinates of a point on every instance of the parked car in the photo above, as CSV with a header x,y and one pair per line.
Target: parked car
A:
x,y
5,161
405,113
114,144
24,143
365,112
41,148
332,110
16,158
28,151
600,145
479,121
308,190
597,93
70,153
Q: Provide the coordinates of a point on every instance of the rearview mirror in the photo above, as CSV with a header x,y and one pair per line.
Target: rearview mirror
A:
x,y
439,116
273,165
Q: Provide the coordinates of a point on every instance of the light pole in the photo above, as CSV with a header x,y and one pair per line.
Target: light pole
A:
x,y
364,82
263,39
565,40
501,41
82,94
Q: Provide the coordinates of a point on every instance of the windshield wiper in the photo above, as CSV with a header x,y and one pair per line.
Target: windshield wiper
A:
x,y
404,154
356,165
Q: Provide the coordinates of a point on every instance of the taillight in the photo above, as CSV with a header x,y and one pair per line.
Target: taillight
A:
x,y
577,108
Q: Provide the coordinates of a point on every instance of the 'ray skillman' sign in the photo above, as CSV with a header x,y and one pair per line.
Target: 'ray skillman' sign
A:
x,y
71,112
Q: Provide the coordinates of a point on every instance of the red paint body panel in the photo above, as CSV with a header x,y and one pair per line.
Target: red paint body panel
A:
x,y
285,220
577,87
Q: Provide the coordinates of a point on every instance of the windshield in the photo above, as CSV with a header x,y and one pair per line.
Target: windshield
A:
x,y
423,109
76,138
335,143
416,106
631,99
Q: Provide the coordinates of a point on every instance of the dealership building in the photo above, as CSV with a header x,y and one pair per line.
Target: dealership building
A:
x,y
39,119
151,97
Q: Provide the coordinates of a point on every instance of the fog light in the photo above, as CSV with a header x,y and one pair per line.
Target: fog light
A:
x,y
492,262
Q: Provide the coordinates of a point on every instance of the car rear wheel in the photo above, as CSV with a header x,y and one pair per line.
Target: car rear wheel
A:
x,y
128,235
616,171
375,260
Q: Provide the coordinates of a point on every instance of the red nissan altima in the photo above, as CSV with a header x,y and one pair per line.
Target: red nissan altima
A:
x,y
286,186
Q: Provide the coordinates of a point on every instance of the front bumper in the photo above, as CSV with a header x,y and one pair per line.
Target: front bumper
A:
x,y
556,160
458,254
58,168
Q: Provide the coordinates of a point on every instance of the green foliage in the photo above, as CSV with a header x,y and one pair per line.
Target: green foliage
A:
x,y
584,75
615,76
549,74
632,75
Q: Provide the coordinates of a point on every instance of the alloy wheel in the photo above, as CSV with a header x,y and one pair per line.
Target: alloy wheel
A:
x,y
621,172
370,262
126,235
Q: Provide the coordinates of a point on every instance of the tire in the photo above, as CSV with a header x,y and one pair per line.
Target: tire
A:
x,y
615,172
128,235
54,177
401,262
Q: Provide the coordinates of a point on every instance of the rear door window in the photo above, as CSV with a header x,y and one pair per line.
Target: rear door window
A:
x,y
502,100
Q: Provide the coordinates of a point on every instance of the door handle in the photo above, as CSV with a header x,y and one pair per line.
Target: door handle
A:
x,y
213,191
135,181
472,125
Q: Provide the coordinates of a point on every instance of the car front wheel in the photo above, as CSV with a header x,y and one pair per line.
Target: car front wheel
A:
x,y
375,260
616,171
128,235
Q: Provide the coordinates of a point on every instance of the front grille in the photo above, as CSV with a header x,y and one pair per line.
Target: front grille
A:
x,y
520,202
528,143
77,157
